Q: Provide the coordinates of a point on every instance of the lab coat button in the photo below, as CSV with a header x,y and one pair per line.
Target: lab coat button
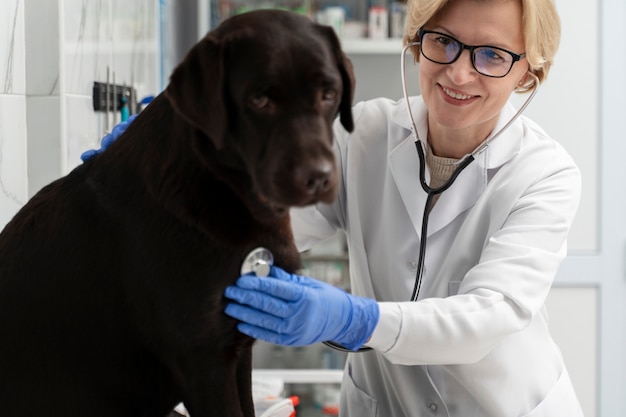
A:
x,y
433,406
413,265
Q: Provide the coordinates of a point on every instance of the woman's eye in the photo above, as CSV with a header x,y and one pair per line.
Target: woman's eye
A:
x,y
444,40
259,101
492,56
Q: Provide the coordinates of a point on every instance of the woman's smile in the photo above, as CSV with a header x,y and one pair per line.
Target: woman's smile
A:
x,y
456,97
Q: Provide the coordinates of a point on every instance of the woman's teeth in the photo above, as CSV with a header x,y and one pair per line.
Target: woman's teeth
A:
x,y
456,95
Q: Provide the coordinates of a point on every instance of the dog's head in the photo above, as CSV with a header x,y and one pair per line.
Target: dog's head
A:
x,y
265,87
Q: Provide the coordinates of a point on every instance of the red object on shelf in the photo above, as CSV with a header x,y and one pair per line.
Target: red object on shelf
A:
x,y
295,400
330,410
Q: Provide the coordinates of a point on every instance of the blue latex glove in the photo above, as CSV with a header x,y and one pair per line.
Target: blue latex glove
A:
x,y
108,139
293,310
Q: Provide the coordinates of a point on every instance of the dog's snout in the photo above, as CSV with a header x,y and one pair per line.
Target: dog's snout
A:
x,y
316,178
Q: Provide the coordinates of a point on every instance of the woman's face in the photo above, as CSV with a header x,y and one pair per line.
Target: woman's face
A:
x,y
464,105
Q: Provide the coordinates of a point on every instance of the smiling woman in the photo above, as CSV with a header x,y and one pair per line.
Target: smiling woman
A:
x,y
496,236
461,97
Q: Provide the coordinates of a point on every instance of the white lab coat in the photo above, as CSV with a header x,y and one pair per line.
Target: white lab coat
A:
x,y
477,342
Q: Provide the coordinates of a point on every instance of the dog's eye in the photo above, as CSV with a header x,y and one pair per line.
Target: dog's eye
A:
x,y
259,101
329,94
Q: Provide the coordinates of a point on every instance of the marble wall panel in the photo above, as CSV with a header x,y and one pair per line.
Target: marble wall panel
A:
x,y
42,64
13,175
13,154
114,35
45,144
84,128
12,62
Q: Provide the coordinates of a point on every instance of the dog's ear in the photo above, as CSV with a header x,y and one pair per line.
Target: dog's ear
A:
x,y
196,89
347,77
349,82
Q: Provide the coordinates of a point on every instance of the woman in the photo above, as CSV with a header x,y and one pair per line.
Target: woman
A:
x,y
476,340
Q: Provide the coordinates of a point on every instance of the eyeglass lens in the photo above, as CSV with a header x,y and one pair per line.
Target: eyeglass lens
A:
x,y
487,60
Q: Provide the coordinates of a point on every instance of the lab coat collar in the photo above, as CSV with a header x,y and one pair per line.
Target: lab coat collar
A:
x,y
404,165
501,150
505,147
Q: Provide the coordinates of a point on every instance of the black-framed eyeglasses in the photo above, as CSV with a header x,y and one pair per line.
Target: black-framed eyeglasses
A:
x,y
490,61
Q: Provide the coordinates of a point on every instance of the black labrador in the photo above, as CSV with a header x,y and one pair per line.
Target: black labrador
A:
x,y
112,278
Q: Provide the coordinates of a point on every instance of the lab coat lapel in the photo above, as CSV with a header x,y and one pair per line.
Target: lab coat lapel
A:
x,y
404,164
463,194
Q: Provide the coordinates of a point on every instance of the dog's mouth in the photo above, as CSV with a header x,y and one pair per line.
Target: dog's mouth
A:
x,y
286,193
296,182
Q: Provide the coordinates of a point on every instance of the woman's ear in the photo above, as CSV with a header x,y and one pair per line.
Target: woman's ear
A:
x,y
527,82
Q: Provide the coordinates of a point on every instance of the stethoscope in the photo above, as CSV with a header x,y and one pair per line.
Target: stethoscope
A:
x,y
260,259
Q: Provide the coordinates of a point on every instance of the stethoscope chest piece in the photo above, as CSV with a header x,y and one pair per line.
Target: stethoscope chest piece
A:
x,y
259,261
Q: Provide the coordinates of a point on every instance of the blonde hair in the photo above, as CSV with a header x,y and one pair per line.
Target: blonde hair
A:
x,y
541,25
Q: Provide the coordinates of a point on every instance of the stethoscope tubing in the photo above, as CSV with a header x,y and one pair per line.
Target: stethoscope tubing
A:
x,y
431,193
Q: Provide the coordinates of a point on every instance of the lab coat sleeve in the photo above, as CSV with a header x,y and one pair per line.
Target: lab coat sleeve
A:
x,y
524,243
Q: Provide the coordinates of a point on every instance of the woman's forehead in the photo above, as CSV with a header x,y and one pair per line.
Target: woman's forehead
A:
x,y
482,22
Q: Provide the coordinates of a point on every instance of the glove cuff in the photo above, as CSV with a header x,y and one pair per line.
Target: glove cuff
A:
x,y
361,324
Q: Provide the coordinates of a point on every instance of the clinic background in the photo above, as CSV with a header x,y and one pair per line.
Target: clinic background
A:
x,y
51,52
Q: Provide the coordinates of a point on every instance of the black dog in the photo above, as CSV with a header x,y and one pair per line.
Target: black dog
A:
x,y
112,278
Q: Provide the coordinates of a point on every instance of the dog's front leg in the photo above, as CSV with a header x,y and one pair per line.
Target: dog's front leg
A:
x,y
212,387
244,382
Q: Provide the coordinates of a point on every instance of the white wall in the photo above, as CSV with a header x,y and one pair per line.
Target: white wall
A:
x,y
13,181
51,52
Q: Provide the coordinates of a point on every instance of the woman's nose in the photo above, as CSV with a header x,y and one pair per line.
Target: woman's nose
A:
x,y
462,70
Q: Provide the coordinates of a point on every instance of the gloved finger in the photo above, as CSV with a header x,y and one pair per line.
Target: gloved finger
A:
x,y
120,128
285,290
260,301
254,317
88,154
106,141
281,274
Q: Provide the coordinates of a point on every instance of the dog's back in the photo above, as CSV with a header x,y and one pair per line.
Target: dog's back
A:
x,y
112,278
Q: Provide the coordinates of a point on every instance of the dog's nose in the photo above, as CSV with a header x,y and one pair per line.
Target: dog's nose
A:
x,y
316,178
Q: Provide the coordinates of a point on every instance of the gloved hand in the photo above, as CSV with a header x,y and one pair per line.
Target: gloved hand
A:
x,y
108,139
293,310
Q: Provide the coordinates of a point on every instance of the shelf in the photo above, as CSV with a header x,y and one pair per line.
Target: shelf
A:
x,y
372,46
302,376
